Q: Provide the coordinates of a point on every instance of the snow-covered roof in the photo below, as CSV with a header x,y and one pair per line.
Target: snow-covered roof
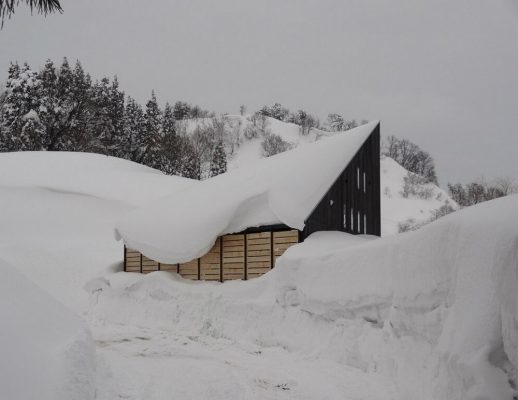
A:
x,y
282,189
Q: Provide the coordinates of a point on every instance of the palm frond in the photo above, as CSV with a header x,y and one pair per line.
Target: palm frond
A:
x,y
44,7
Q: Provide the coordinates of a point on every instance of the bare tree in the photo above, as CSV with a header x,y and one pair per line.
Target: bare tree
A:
x,y
410,156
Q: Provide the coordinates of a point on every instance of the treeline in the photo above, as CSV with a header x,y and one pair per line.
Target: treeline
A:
x,y
481,190
62,109
334,123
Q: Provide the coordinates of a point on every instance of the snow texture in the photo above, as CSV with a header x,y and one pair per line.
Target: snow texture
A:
x,y
47,352
95,175
283,188
430,314
435,311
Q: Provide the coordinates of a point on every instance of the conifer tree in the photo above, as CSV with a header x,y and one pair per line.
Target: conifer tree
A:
x,y
219,160
11,109
152,133
190,164
116,114
168,121
132,146
32,136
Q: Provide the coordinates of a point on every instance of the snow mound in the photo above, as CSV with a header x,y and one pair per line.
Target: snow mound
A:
x,y
95,175
434,310
47,352
283,188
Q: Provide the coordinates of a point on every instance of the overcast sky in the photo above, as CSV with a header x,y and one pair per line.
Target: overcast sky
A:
x,y
443,73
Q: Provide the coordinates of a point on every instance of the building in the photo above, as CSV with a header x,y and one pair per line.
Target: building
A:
x,y
236,225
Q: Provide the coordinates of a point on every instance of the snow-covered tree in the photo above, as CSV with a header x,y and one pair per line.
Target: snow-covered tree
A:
x,y
33,135
181,110
168,121
219,160
20,107
152,133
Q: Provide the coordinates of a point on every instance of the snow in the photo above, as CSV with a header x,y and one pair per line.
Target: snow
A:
x,y
95,175
395,208
47,351
430,314
433,311
283,188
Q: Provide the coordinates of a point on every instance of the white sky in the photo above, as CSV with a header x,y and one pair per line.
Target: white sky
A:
x,y
443,73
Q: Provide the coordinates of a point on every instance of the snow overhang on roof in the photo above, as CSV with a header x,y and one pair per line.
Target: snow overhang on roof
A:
x,y
282,189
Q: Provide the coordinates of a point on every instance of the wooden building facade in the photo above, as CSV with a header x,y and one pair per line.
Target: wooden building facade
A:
x,y
351,204
236,256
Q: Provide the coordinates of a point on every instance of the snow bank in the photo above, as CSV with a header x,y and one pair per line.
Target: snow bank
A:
x,y
434,310
47,352
280,189
96,175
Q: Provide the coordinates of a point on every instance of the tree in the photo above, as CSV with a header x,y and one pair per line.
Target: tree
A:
x,y
132,146
305,121
152,133
335,122
11,109
219,160
480,190
274,144
32,137
168,121
41,6
181,110
20,107
410,157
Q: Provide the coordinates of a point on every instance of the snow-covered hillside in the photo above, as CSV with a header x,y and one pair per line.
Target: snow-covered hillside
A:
x,y
396,209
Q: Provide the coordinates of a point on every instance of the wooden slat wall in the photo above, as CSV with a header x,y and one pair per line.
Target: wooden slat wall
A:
x,y
189,269
210,265
233,257
282,241
237,256
258,254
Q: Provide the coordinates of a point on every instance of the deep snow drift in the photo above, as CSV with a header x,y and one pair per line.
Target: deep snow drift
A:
x,y
47,352
434,310
430,314
104,177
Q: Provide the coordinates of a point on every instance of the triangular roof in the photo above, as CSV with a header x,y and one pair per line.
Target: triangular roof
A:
x,y
282,189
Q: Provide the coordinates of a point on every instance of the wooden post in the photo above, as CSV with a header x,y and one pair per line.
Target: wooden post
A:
x,y
124,258
140,262
221,258
246,257
272,255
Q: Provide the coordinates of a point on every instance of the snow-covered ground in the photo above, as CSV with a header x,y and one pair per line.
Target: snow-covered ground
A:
x,y
430,314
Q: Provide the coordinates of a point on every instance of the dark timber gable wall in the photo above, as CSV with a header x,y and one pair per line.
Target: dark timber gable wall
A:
x,y
352,204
